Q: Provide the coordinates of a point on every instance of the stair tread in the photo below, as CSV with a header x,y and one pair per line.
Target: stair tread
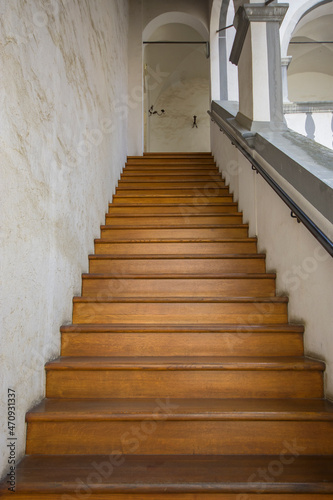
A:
x,y
182,409
184,300
98,328
173,205
184,226
175,473
179,216
175,256
173,195
175,276
178,240
280,363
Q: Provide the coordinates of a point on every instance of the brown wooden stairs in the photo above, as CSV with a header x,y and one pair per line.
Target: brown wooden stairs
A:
x,y
180,377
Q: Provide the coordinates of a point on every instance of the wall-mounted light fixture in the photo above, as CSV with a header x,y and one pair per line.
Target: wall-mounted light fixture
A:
x,y
152,112
195,122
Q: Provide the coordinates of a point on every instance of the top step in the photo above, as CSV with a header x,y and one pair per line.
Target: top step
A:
x,y
143,160
175,155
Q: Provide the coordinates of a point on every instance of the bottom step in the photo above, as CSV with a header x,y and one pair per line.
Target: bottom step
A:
x,y
115,477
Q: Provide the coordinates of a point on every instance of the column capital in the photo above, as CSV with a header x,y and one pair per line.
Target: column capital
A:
x,y
285,61
253,13
265,13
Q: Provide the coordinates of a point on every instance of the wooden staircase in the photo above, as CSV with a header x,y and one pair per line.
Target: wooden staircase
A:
x,y
180,377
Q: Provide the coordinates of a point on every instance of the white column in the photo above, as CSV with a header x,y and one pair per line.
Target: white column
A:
x,y
135,80
285,62
256,51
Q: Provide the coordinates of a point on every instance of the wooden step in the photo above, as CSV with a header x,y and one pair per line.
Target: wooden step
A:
x,y
172,220
176,247
179,426
169,167
171,209
183,377
171,178
169,172
191,201
285,476
158,285
210,191
174,184
177,264
182,232
187,340
170,161
175,155
181,310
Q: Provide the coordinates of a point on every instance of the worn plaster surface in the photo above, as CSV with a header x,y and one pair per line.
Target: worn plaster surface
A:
x,y
62,145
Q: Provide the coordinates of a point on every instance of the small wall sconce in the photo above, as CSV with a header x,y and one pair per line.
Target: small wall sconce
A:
x,y
152,112
195,122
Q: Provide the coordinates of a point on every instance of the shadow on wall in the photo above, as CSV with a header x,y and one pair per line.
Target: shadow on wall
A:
x,y
174,131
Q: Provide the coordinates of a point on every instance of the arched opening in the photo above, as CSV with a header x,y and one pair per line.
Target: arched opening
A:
x,y
310,74
224,73
176,85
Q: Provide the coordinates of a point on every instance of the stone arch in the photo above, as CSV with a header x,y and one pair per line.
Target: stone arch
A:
x,y
297,10
310,73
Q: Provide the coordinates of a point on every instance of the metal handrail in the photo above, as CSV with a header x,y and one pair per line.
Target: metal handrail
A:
x,y
296,211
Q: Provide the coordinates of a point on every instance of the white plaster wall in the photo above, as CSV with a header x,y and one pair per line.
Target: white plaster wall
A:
x,y
173,132
63,144
322,126
304,269
306,86
177,80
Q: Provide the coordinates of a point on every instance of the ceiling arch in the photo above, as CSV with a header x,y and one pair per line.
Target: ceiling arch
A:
x,y
175,17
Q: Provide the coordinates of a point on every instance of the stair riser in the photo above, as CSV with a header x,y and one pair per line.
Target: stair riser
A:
x,y
179,313
181,220
183,383
145,162
166,248
177,210
175,233
190,184
171,178
172,172
173,496
181,154
181,266
210,191
150,436
165,496
119,287
182,344
190,200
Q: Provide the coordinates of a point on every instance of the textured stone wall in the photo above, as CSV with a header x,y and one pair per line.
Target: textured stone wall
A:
x,y
63,143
